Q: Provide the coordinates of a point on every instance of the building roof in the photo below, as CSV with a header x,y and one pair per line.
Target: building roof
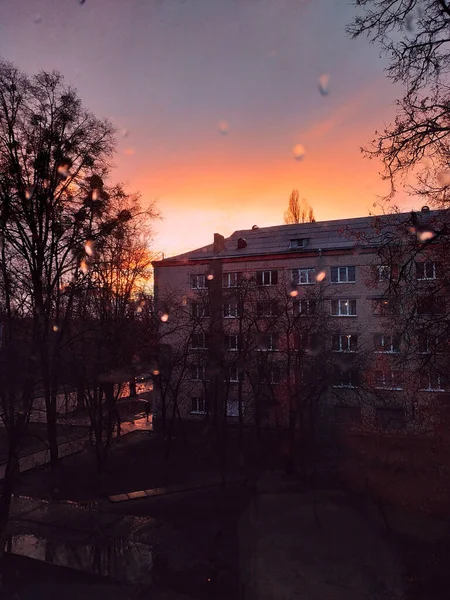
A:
x,y
320,235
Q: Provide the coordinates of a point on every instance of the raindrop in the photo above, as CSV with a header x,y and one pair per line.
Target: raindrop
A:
x,y
95,195
223,127
89,247
55,328
129,151
155,372
320,276
444,178
409,23
125,133
164,317
45,184
184,301
299,151
210,277
84,267
424,236
37,19
64,170
29,192
139,309
324,80
293,293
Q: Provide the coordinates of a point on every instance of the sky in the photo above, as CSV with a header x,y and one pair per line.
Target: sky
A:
x,y
210,97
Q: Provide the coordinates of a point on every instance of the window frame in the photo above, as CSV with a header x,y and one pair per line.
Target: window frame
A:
x,y
227,276
295,245
297,310
272,277
436,270
228,338
394,343
339,302
335,274
338,374
310,276
202,277
231,314
349,343
201,335
201,402
272,346
200,372
388,385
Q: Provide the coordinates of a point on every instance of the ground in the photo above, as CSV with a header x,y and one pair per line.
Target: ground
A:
x,y
198,552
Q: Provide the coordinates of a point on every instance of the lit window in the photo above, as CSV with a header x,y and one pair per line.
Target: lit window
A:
x,y
343,308
344,343
383,307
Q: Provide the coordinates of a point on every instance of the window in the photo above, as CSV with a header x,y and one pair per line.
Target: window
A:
x,y
345,379
430,343
198,372
428,270
343,274
266,309
198,341
343,308
198,282
304,307
387,379
390,419
233,408
231,310
269,374
296,243
383,307
267,341
231,374
198,310
307,342
387,272
386,343
430,305
347,415
232,342
303,276
231,280
198,405
430,381
267,277
344,343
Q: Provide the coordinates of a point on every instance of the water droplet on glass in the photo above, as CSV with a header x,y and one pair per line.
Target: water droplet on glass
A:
x,y
37,19
89,247
409,22
293,293
64,171
223,127
164,317
129,151
324,80
95,194
84,267
55,328
29,192
426,235
210,277
45,184
184,301
125,133
299,151
155,372
444,177
320,276
81,2
139,309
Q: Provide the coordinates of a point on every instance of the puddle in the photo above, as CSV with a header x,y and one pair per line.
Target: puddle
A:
x,y
121,560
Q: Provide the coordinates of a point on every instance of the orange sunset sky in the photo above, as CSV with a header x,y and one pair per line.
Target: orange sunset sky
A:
x,y
167,72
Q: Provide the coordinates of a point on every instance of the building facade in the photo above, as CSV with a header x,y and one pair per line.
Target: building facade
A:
x,y
315,322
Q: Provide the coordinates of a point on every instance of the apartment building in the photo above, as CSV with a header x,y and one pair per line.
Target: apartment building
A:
x,y
306,322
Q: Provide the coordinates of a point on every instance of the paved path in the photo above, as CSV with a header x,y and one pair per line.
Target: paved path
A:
x,y
313,546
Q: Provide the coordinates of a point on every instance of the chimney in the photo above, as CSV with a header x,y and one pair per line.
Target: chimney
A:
x,y
219,244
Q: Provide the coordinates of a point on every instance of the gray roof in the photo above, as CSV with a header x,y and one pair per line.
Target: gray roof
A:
x,y
321,235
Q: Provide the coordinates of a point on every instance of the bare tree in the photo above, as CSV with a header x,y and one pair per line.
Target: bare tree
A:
x,y
299,211
413,34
